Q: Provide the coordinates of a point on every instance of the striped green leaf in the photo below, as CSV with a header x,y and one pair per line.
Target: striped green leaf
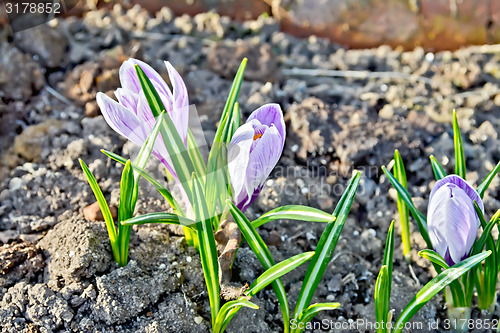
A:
x,y
294,212
264,256
163,191
419,217
459,148
312,311
437,169
435,286
487,181
404,216
326,245
207,247
110,224
165,218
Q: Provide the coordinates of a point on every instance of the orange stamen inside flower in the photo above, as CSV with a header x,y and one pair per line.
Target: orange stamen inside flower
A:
x,y
256,136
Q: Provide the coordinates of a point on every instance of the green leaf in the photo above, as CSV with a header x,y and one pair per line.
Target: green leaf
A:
x,y
487,291
479,244
459,149
165,218
435,286
326,245
389,253
434,257
143,156
195,155
101,200
227,113
179,156
235,123
382,295
154,100
270,275
207,247
312,311
457,292
276,271
294,212
419,217
163,191
227,308
490,243
264,256
110,224
147,148
400,175
125,210
438,170
487,181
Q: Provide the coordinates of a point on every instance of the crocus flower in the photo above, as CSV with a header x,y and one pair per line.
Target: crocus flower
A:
x,y
132,117
253,152
452,219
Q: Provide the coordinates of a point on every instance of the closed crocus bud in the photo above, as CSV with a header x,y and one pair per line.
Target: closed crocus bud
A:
x,y
132,117
254,151
451,218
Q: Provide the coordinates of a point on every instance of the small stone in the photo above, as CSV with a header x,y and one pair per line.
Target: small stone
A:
x,y
274,238
198,320
108,80
15,184
29,143
387,112
93,212
47,43
189,259
92,109
325,202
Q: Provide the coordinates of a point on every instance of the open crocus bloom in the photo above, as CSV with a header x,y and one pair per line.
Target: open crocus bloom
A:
x,y
132,117
253,152
452,219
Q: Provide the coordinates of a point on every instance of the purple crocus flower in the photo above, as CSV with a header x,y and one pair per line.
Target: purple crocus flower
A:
x,y
253,152
132,117
452,219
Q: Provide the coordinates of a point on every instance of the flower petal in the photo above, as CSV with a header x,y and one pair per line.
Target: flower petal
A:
x,y
238,156
130,81
127,98
263,159
452,222
121,119
460,182
270,114
180,103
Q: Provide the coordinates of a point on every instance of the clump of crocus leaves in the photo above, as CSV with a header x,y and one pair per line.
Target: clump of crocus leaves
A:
x,y
454,215
214,191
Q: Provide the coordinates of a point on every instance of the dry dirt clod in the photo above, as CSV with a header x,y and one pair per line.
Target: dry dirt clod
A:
x,y
19,261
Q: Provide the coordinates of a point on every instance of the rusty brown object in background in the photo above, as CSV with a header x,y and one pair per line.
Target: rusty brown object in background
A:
x,y
433,24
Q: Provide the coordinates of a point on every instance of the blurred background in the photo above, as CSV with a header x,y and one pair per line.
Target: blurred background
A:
x,y
433,24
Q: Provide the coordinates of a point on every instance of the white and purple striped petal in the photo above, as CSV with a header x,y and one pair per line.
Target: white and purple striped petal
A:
x,y
133,111
254,151
451,218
